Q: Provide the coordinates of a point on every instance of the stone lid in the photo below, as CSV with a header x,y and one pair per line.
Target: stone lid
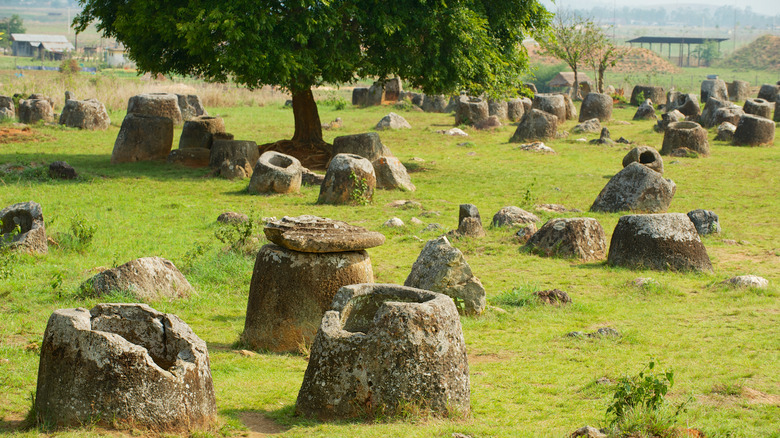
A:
x,y
315,234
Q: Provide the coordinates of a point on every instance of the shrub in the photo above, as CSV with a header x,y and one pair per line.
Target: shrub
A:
x,y
82,231
69,66
239,236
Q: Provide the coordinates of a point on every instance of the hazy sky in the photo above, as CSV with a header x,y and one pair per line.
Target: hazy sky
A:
x,y
768,7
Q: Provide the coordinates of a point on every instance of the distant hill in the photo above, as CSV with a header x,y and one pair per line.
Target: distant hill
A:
x,y
635,60
761,54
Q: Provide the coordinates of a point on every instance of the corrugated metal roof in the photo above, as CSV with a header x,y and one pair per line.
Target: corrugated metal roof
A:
x,y
58,46
674,40
39,38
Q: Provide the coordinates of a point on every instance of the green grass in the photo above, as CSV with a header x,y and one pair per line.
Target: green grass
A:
x,y
527,379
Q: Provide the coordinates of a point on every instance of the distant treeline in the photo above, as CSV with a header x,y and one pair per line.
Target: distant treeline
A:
x,y
724,16
41,3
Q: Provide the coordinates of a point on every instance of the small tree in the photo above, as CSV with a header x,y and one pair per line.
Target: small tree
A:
x,y
603,55
570,38
708,52
15,24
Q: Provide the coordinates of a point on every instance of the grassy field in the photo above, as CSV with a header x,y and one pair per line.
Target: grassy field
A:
x,y
527,378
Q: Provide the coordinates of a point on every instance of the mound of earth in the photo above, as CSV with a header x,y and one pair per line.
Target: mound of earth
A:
x,y
762,54
635,59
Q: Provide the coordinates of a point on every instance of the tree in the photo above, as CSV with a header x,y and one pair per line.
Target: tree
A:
x,y
15,24
603,55
570,38
298,44
707,52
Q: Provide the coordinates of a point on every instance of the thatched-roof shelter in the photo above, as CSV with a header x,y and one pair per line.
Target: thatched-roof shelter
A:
x,y
566,79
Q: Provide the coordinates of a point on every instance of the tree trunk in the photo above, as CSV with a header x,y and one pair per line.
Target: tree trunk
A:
x,y
576,84
602,68
307,144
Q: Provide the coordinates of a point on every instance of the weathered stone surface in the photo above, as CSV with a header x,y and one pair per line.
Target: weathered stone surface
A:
x,y
571,109
391,174
392,121
685,103
28,217
469,227
190,106
511,216
367,145
635,188
525,233
759,107
714,88
233,151
143,138
777,111
553,296
435,103
596,106
669,118
528,104
126,364
752,281
490,123
582,238
236,169
754,131
7,108
590,125
440,267
350,179
646,156
604,137
384,347
156,104
231,217
552,104
393,222
705,221
498,108
536,125
471,111
311,178
536,146
35,110
729,114
320,235
642,92
645,111
393,89
711,106
359,96
276,173
147,278
454,132
603,332
291,290
769,92
515,110
658,241
190,157
685,135
726,132
85,114
588,432
62,170
738,90
198,132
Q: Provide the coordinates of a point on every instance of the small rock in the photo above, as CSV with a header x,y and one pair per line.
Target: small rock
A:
x,y
231,217
705,221
588,432
525,233
536,147
512,216
556,208
392,121
604,138
310,178
604,381
433,227
590,125
404,204
603,332
62,170
456,132
415,221
393,223
642,282
581,140
489,123
752,281
245,353
553,296
729,241
430,213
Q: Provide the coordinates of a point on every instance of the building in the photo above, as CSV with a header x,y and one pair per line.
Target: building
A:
x,y
53,47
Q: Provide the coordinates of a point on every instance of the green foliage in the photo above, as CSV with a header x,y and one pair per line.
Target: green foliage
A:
x,y
14,24
571,38
359,194
640,97
544,73
335,100
708,52
240,237
82,231
520,296
529,197
69,66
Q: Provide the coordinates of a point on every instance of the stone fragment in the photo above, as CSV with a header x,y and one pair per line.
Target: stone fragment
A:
x,y
231,217
415,221
143,138
581,238
147,278
7,108
571,110
708,118
190,157
751,281
85,114
350,179
759,107
596,106
320,235
198,132
588,432
367,145
590,125
604,137
686,103
276,173
435,103
515,110
642,92
391,174
738,90
556,208
646,156
498,108
456,132
635,188
360,96
726,132
553,296
645,111
35,110
470,111
440,267
392,121
667,119
658,241
769,92
233,151
525,233
156,104
551,104
382,348
291,290
235,169
311,178
536,146
23,228
62,170
393,223
126,364
685,135
536,125
190,106
705,221
714,88
490,123
513,216
754,131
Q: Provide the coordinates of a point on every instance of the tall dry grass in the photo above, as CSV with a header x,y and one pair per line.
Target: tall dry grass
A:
x,y
114,90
